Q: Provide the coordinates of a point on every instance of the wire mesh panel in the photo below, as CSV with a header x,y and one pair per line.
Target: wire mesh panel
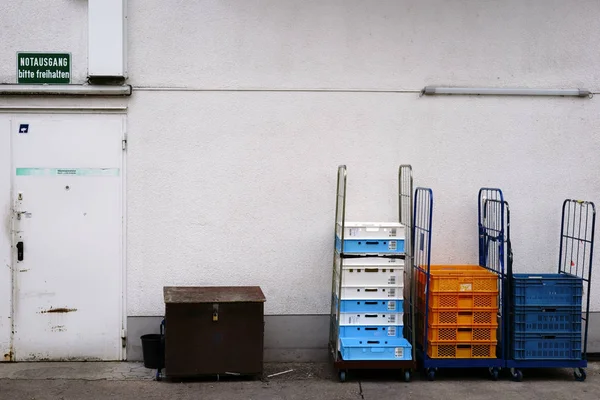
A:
x,y
405,199
421,240
576,248
494,237
336,282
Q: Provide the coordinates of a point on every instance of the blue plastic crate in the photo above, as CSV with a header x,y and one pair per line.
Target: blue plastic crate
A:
x,y
372,306
361,331
535,346
547,290
370,246
547,320
375,349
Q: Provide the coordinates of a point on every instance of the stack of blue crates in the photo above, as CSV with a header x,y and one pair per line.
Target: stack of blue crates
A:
x,y
547,317
371,269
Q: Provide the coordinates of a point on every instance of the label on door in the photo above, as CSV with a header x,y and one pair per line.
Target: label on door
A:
x,y
393,232
392,280
392,319
391,330
392,245
68,171
392,292
391,306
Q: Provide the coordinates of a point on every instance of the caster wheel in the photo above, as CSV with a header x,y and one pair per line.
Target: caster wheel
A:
x,y
342,376
431,374
494,373
406,376
579,374
517,375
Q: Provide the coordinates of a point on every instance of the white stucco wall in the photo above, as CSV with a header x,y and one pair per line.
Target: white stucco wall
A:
x,y
385,44
238,188
57,26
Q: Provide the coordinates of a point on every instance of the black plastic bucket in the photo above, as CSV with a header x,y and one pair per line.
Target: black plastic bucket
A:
x,y
153,348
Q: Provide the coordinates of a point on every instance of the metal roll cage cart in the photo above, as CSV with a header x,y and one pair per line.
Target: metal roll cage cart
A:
x,y
491,257
578,224
405,182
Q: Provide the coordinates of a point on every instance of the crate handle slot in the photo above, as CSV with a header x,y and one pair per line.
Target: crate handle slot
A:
x,y
370,315
370,303
549,310
370,290
465,329
370,329
549,337
371,242
371,269
463,346
372,341
465,313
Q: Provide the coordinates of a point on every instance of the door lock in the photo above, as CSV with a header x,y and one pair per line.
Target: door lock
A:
x,y
20,251
19,213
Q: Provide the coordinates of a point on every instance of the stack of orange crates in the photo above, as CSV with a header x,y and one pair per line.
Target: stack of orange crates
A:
x,y
462,311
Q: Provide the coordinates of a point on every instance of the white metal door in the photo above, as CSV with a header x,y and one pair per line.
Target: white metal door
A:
x,y
68,230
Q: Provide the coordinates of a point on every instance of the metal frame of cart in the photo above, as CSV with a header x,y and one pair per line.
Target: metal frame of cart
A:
x,y
405,182
578,224
491,227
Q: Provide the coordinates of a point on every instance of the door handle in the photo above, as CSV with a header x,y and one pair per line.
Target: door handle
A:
x,y
20,250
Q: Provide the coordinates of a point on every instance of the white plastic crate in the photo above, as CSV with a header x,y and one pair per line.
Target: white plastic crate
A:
x,y
371,230
369,261
371,271
372,276
371,318
371,293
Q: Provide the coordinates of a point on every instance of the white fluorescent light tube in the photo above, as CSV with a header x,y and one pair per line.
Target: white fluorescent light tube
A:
x,y
432,90
64,90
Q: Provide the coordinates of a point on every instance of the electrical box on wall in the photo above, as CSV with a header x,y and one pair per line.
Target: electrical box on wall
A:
x,y
107,50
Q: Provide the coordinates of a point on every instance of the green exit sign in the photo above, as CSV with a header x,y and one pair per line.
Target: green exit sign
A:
x,y
43,68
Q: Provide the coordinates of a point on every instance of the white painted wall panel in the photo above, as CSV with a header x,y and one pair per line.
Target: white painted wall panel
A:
x,y
239,188
364,44
107,38
5,239
51,26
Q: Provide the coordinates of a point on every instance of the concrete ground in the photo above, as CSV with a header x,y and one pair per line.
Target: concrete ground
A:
x,y
37,381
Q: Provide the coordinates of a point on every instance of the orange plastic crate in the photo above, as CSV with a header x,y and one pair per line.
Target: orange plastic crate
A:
x,y
462,334
461,350
457,278
463,300
449,316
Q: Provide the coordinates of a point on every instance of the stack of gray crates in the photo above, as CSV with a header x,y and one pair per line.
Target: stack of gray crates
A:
x,y
369,265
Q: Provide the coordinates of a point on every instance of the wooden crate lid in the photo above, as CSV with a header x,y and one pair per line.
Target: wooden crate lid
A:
x,y
213,294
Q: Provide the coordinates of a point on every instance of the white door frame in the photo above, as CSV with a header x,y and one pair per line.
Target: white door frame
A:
x,y
14,111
